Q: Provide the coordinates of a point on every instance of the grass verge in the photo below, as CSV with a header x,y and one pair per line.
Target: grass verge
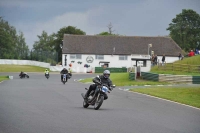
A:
x,y
19,68
3,78
122,79
185,95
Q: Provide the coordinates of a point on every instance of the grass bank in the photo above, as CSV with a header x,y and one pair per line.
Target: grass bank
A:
x,y
3,78
187,66
19,68
185,95
122,79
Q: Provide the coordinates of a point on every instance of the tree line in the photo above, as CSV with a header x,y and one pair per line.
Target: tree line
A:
x,y
184,30
12,44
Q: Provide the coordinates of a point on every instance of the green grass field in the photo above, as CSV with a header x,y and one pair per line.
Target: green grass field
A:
x,y
3,78
19,68
185,95
122,79
195,60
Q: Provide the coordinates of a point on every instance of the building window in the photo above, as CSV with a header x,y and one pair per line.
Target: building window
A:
x,y
123,57
75,56
99,57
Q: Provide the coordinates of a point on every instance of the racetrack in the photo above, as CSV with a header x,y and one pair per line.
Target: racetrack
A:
x,y
38,105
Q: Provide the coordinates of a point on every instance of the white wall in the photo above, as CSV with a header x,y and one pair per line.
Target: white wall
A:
x,y
113,59
114,62
168,59
24,62
30,62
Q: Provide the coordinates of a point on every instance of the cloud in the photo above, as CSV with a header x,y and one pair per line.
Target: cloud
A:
x,y
81,20
138,18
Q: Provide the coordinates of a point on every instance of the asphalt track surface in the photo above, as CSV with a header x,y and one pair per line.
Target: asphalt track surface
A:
x,y
38,105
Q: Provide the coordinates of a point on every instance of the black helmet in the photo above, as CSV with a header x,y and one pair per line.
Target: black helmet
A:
x,y
106,74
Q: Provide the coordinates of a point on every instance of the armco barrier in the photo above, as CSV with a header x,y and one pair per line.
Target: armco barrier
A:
x,y
149,76
171,78
175,78
131,76
196,79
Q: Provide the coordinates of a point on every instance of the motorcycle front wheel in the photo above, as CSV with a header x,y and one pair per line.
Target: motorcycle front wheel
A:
x,y
98,102
85,104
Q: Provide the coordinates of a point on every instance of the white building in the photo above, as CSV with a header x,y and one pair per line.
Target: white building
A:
x,y
115,51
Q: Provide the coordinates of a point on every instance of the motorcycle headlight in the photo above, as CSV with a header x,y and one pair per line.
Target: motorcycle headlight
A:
x,y
104,89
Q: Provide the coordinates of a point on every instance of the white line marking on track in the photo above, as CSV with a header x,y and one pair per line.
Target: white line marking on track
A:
x,y
160,98
165,100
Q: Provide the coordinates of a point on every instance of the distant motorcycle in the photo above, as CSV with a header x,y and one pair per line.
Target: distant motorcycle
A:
x,y
47,75
64,78
96,97
23,75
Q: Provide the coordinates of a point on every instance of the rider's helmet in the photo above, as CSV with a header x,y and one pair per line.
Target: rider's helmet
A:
x,y
46,70
64,69
106,74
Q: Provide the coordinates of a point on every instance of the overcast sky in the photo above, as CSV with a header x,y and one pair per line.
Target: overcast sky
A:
x,y
128,17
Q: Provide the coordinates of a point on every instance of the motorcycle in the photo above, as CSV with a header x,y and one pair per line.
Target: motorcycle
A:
x,y
65,78
69,75
47,75
96,97
23,75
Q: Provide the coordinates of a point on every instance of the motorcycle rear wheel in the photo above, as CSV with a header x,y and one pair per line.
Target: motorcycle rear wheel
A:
x,y
98,103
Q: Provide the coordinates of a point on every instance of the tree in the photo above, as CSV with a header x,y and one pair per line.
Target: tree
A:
x,y
104,33
12,45
43,49
21,48
110,28
185,29
45,42
110,31
59,37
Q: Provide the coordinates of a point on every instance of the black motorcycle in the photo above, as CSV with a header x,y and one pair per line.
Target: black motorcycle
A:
x,y
64,78
23,75
96,97
47,75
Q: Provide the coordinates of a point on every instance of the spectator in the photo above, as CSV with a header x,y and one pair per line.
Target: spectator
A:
x,y
191,53
155,60
163,59
180,56
152,60
196,51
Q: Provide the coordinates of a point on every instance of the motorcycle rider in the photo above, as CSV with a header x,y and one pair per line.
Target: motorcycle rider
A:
x,y
46,72
22,74
64,71
70,72
104,80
